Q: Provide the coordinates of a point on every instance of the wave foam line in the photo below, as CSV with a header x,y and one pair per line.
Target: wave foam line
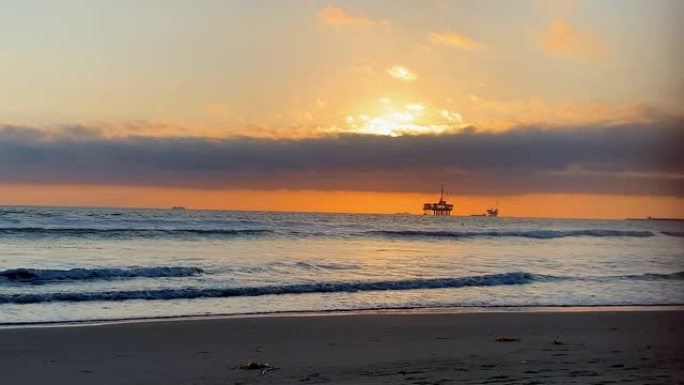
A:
x,y
44,231
515,278
37,276
535,234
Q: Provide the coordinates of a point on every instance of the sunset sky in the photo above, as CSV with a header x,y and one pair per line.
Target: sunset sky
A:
x,y
550,108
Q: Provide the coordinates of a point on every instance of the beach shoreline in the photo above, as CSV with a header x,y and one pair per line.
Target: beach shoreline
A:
x,y
422,347
346,312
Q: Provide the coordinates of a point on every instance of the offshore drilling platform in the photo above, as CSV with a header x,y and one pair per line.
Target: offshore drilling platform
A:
x,y
441,208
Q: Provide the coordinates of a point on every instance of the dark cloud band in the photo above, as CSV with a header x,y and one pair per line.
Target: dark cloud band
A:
x,y
645,158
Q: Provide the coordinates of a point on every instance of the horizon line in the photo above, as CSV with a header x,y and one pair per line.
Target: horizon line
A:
x,y
185,208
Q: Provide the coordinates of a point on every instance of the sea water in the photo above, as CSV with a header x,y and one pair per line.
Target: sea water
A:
x,y
79,264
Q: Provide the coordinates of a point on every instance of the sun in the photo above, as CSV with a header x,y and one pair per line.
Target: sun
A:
x,y
393,119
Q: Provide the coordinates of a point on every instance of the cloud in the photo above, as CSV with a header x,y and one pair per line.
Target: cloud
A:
x,y
401,73
504,114
564,40
630,158
396,119
454,39
337,16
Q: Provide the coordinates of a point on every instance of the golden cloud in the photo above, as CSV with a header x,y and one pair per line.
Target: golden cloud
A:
x,y
337,16
454,39
498,115
396,119
401,73
564,40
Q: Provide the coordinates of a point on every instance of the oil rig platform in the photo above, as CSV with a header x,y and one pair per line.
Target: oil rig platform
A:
x,y
441,208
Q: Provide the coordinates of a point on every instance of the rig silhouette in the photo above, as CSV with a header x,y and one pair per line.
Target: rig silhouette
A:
x,y
441,208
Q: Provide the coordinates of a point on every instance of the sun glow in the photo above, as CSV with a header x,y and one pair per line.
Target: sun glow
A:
x,y
407,119
401,73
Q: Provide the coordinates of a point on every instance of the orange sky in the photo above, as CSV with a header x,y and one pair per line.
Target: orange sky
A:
x,y
535,205
568,108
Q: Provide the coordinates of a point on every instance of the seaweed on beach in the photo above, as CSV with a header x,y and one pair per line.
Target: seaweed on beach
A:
x,y
265,367
507,339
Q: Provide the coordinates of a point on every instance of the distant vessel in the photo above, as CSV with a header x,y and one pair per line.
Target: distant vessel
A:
x,y
177,208
490,213
493,212
441,208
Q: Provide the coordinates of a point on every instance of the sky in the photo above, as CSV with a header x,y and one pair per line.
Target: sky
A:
x,y
544,108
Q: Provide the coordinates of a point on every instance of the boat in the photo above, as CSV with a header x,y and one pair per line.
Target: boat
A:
x,y
177,208
489,213
493,212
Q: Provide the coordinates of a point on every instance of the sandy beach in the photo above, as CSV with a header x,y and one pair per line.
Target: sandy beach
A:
x,y
382,348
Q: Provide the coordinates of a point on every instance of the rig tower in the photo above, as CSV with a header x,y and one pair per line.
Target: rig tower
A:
x,y
441,208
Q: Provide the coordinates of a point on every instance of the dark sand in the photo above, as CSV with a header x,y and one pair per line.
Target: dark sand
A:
x,y
632,347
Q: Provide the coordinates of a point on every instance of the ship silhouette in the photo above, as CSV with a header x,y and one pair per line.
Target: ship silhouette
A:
x,y
489,213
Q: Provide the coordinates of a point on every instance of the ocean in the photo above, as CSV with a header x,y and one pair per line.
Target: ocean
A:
x,y
88,264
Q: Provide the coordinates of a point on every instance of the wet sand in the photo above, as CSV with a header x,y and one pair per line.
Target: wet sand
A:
x,y
637,347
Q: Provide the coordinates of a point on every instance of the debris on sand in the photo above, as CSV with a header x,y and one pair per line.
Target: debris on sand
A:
x,y
265,367
507,339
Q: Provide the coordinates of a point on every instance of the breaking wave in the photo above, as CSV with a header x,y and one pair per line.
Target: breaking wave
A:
x,y
39,276
535,234
184,233
127,233
516,278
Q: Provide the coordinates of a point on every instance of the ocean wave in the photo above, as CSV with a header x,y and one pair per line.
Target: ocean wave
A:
x,y
181,233
289,266
40,276
515,278
324,266
535,234
653,276
11,211
126,233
